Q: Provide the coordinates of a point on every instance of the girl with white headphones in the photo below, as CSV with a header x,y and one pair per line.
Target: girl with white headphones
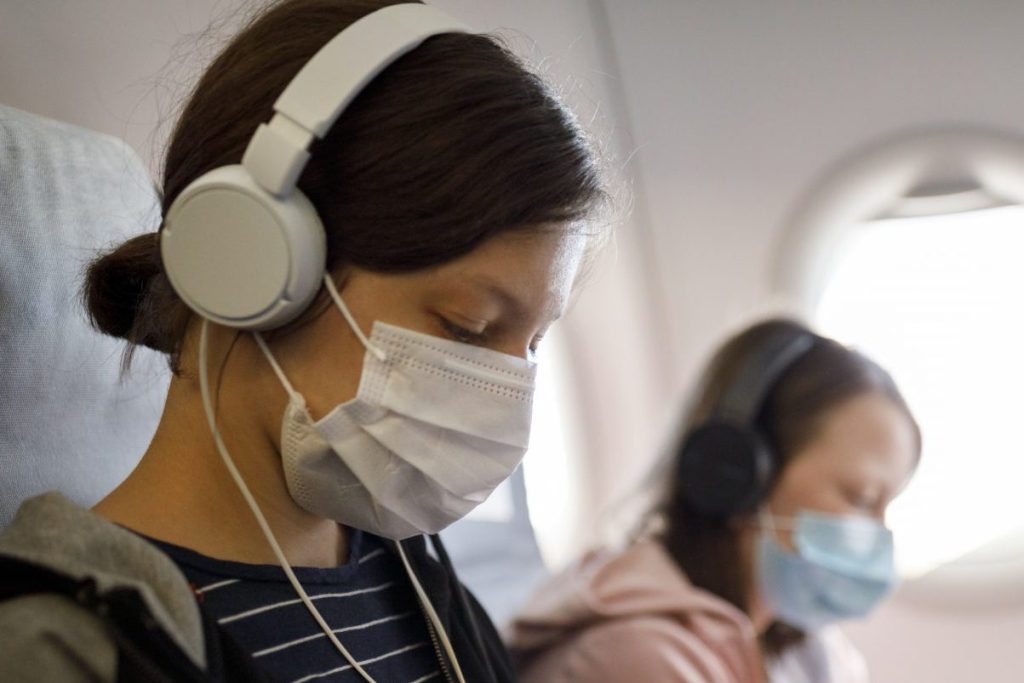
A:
x,y
371,218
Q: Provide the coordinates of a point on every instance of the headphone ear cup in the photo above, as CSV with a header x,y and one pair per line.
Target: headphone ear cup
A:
x,y
724,469
238,255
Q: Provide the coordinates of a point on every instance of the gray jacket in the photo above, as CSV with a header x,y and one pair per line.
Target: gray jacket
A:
x,y
48,637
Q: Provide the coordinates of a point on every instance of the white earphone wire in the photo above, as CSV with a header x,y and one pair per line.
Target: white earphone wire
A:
x,y
255,508
431,613
274,365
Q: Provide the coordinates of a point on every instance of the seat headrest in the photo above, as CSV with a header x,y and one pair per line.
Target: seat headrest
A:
x,y
69,421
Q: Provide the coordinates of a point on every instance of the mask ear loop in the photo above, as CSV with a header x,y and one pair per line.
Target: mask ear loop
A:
x,y
773,524
768,523
431,613
204,389
333,291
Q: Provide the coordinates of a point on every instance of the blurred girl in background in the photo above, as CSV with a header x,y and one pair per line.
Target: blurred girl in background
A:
x,y
772,530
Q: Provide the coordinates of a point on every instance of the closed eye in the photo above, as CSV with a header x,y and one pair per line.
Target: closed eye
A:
x,y
461,334
862,500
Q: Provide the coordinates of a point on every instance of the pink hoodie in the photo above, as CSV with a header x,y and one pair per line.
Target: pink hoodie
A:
x,y
631,617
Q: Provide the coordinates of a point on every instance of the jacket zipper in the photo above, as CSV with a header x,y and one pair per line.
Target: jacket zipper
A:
x,y
421,598
437,648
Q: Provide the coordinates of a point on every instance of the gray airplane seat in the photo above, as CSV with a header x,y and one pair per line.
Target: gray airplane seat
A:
x,y
69,420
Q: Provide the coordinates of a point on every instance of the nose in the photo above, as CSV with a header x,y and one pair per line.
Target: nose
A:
x,y
517,345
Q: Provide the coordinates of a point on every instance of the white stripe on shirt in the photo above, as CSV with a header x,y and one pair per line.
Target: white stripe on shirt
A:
x,y
427,677
285,603
321,634
364,662
376,553
215,586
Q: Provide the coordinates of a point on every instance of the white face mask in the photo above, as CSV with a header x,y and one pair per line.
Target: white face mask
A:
x,y
435,427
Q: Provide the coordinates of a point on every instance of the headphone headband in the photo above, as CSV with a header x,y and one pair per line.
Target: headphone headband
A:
x,y
241,245
337,73
743,399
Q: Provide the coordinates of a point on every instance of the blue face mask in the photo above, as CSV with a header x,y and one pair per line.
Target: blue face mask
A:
x,y
842,569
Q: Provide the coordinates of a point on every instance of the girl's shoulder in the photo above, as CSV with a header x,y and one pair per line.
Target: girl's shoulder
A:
x,y
633,610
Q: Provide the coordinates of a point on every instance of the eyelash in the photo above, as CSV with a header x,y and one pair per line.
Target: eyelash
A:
x,y
464,336
535,344
461,334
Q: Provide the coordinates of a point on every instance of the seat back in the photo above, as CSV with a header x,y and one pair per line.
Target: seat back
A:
x,y
69,420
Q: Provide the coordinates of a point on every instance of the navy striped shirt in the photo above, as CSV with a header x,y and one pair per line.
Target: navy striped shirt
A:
x,y
368,603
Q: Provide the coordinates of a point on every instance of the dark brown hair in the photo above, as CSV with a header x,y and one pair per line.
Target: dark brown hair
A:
x,y
708,548
452,144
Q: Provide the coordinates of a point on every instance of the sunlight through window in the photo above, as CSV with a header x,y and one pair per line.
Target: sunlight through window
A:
x,y
552,483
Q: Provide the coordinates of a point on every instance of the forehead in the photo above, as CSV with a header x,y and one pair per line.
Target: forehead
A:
x,y
867,435
534,269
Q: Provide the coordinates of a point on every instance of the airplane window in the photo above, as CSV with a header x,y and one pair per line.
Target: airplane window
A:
x,y
552,480
939,300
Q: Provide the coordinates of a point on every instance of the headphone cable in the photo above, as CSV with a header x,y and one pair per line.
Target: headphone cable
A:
x,y
204,389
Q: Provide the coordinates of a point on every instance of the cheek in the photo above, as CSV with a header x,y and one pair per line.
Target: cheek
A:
x,y
329,365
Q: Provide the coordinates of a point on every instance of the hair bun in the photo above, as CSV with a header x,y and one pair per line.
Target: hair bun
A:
x,y
116,284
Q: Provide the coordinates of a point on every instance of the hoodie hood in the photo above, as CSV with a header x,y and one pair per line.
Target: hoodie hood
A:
x,y
51,531
642,582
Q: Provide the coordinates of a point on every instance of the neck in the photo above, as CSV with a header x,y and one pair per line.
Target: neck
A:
x,y
760,613
183,493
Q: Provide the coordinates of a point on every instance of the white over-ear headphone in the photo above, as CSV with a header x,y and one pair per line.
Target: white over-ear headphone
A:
x,y
241,245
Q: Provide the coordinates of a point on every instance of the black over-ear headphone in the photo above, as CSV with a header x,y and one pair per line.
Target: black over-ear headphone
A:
x,y
725,463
